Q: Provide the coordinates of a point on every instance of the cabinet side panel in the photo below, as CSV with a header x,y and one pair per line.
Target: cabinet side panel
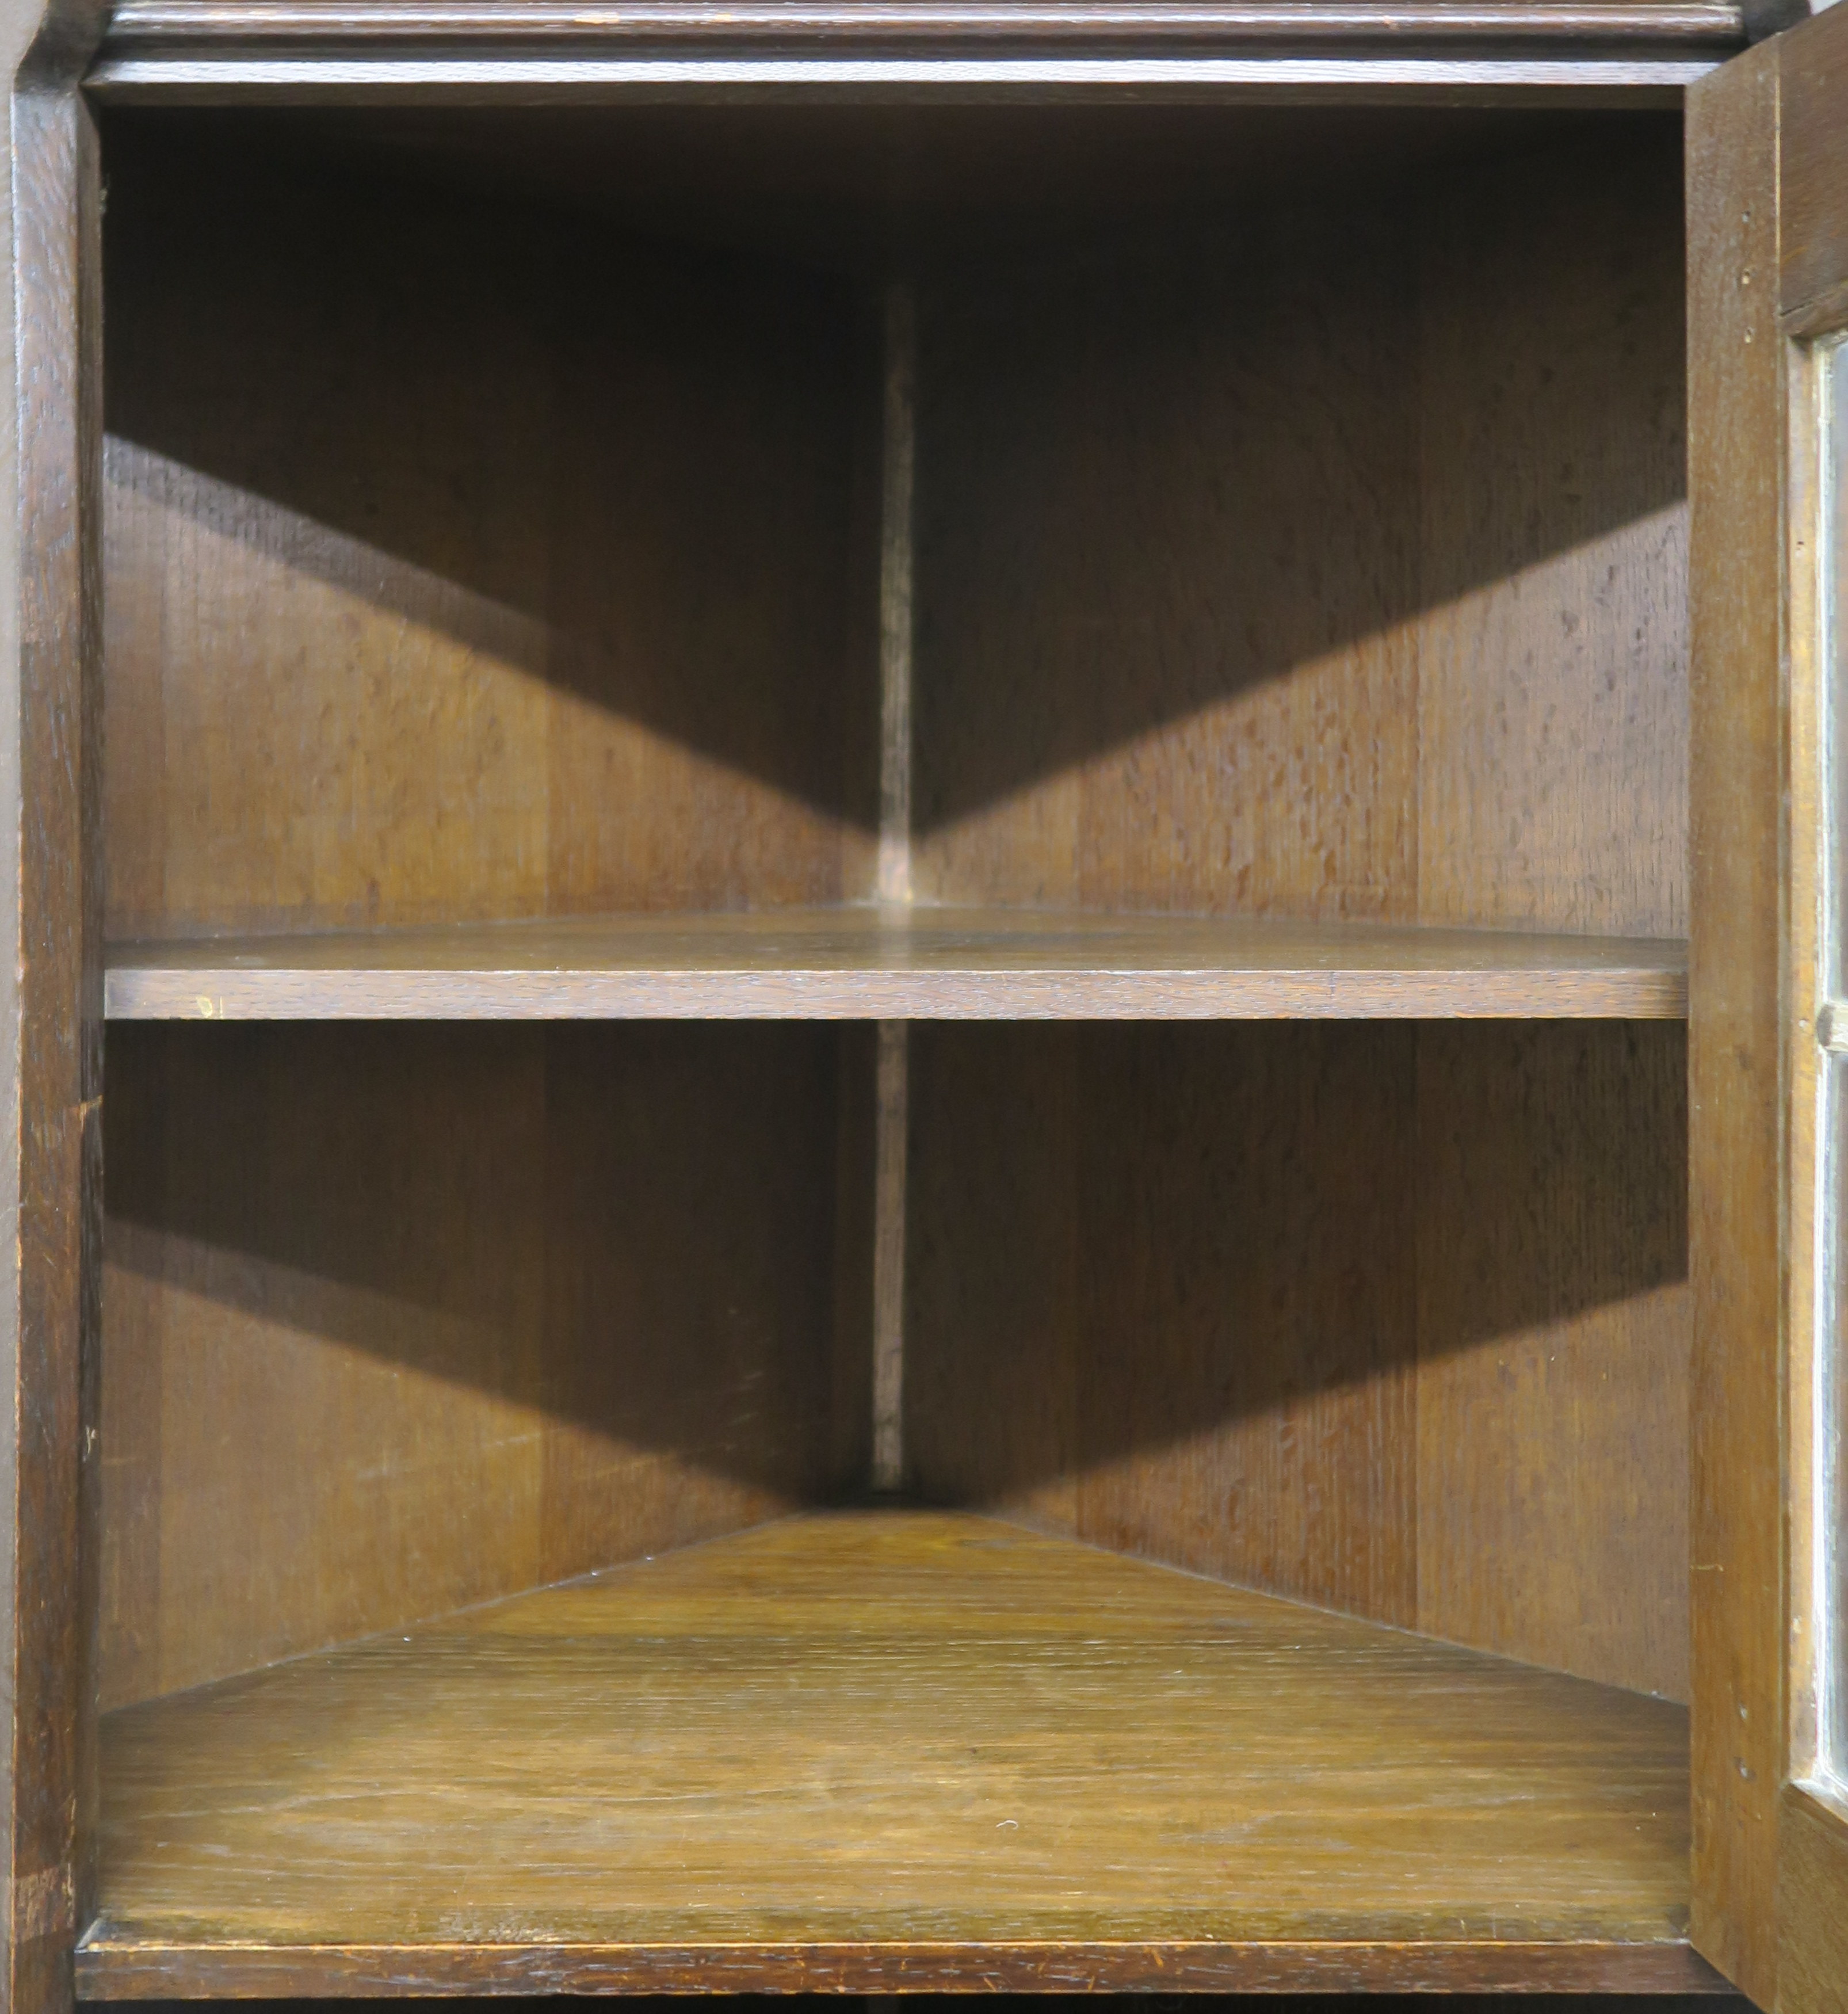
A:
x,y
1166,525
689,1237
50,1018
1553,1337
1389,1318
398,1319
466,561
1177,1314
993,1321
1326,560
1552,661
1735,432
1246,1271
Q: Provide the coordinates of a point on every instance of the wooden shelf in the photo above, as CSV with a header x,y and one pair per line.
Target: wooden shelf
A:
x,y
883,1748
925,964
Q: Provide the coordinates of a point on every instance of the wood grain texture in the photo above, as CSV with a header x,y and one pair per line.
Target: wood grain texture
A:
x,y
1812,1879
1391,1319
1388,1318
465,562
1625,1979
1736,431
1140,687
871,963
428,1316
1142,684
1619,1974
903,1735
1812,1819
996,1324
1812,248
1553,1326
1245,1248
1551,642
1423,660
1170,1311
50,1004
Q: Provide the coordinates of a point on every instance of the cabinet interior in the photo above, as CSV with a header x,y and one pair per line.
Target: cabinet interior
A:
x,y
500,539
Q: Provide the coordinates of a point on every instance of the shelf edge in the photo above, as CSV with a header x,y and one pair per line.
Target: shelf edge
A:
x,y
108,1971
333,77
144,993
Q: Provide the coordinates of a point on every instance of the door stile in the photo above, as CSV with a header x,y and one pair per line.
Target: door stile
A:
x,y
1767,188
1736,393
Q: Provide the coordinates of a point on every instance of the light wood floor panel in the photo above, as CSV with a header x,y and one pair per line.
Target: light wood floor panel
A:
x,y
883,1729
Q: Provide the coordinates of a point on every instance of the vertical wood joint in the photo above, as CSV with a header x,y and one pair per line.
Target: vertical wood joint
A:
x,y
898,478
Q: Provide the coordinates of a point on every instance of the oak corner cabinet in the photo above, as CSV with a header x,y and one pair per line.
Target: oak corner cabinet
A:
x,y
926,1026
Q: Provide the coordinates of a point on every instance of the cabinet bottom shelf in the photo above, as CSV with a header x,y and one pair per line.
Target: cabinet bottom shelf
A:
x,y
883,1749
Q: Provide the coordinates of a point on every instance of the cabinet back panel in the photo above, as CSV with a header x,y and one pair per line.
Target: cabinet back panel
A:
x,y
397,1319
466,560
1392,1319
1324,560
1555,1321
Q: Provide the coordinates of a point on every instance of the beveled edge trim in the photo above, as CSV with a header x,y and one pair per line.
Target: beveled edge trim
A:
x,y
310,77
667,24
207,48
142,1968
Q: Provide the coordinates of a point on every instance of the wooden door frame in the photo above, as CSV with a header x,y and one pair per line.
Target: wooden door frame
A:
x,y
50,992
1768,259
50,1010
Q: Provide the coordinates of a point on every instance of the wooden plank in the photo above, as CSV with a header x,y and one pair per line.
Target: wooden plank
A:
x,y
1423,662
1550,637
524,598
272,1972
1812,1834
1391,1319
887,1746
427,1316
142,22
1171,1311
1245,1254
1142,685
874,964
1812,1879
1553,1324
1425,659
1735,484
690,1254
1812,248
341,53
995,1319
1351,77
50,1004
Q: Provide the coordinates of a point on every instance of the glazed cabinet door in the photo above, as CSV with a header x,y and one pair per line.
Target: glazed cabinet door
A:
x,y
1768,214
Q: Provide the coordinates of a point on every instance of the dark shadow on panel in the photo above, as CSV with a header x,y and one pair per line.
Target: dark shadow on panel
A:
x,y
1175,455
1199,1266
626,469
1159,472
1120,1237
630,1229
